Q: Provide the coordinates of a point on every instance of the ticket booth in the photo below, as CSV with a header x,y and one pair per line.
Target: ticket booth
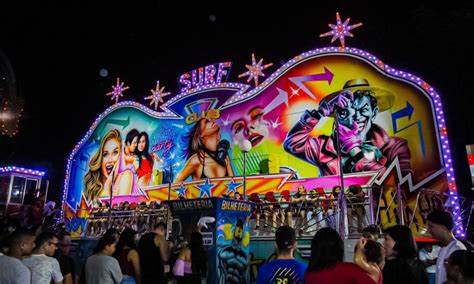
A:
x,y
224,226
19,187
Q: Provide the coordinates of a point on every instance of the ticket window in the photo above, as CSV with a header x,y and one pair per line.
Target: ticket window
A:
x,y
22,188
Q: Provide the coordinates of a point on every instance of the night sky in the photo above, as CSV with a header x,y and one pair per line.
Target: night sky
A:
x,y
57,52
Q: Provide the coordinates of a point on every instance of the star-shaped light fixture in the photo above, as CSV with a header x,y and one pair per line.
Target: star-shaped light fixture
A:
x,y
157,95
117,91
255,70
340,30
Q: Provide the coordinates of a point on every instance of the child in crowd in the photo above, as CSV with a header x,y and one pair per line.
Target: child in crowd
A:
x,y
369,256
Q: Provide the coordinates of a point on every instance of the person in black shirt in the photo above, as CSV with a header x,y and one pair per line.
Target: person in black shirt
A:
x,y
66,263
154,252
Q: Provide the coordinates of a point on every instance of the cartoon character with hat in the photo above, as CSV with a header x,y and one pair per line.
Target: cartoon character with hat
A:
x,y
364,145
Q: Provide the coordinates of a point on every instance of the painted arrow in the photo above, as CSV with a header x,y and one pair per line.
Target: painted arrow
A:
x,y
298,81
406,111
122,122
281,98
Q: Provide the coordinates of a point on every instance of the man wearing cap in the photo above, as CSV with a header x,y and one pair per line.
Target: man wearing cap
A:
x,y
284,269
364,145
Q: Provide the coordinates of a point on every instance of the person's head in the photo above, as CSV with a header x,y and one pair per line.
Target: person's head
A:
x,y
354,189
47,243
65,242
373,252
237,195
301,189
327,248
127,239
131,141
460,265
21,243
336,190
285,238
160,229
371,232
113,231
399,242
107,244
428,247
102,164
440,225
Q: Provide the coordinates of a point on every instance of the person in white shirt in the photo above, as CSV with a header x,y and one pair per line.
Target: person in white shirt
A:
x,y
12,270
440,226
44,267
428,254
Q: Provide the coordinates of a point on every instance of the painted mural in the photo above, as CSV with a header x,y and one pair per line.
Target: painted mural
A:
x,y
389,123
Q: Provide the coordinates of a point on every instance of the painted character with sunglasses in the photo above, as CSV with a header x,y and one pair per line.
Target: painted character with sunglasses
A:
x,y
364,145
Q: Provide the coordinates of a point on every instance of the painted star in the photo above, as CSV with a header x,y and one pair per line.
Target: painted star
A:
x,y
181,190
255,70
157,95
232,186
117,91
226,121
294,92
206,189
275,123
340,30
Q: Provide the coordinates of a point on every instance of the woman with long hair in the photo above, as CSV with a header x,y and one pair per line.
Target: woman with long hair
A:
x,y
191,264
203,161
127,256
402,264
101,267
326,262
103,170
145,161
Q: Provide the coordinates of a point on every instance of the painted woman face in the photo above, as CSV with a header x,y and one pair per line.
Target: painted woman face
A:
x,y
110,156
132,146
254,129
208,127
142,143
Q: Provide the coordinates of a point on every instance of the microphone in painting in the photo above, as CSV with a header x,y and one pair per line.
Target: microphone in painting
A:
x,y
222,149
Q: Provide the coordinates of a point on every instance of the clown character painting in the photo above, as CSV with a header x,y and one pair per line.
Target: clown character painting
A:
x,y
364,145
104,175
207,155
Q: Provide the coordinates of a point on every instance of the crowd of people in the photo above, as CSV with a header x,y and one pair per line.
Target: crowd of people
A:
x,y
130,254
396,260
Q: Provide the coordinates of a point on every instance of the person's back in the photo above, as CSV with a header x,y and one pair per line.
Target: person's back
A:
x,y
290,271
325,263
43,269
284,269
13,271
404,270
102,269
152,266
341,273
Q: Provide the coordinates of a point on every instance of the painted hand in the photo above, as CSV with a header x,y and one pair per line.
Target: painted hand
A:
x,y
348,137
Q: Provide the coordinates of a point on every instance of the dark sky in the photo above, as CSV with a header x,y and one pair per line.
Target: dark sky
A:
x,y
57,52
